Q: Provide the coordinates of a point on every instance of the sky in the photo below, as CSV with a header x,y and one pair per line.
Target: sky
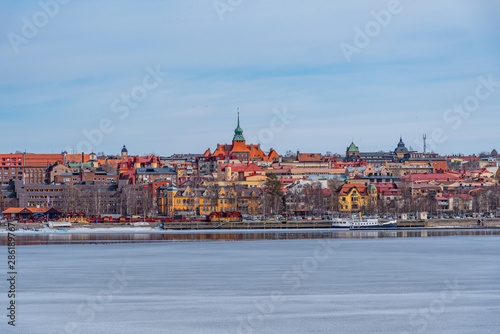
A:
x,y
170,76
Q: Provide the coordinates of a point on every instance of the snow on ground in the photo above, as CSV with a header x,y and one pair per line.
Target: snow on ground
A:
x,y
393,285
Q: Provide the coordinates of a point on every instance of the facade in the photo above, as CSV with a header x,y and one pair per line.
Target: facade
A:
x,y
97,198
400,154
11,167
98,176
239,172
127,167
357,197
191,201
148,175
455,203
36,167
57,169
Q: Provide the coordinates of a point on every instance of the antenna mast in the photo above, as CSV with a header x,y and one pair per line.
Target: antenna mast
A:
x,y
425,143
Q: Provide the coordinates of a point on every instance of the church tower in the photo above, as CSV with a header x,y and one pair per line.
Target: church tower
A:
x,y
238,133
240,149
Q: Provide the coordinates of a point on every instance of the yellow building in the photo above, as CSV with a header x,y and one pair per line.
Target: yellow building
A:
x,y
205,200
357,197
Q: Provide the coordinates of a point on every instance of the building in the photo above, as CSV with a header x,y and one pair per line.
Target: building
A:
x,y
400,154
36,167
57,169
151,174
11,167
286,171
30,213
193,201
357,197
241,150
86,176
124,153
239,172
401,151
456,203
127,168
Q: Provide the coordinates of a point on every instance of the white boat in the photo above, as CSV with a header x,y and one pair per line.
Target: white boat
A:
x,y
354,223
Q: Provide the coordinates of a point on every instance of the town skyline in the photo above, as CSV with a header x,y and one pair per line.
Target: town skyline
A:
x,y
424,146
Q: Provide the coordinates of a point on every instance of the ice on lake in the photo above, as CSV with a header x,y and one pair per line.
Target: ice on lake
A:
x,y
408,285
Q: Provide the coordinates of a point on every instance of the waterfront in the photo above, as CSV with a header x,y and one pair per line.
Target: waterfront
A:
x,y
117,235
381,285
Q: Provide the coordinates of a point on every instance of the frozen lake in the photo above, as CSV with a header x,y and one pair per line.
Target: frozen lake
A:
x,y
388,285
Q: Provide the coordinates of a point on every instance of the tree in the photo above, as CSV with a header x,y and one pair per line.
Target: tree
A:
x,y
146,201
334,186
273,197
314,197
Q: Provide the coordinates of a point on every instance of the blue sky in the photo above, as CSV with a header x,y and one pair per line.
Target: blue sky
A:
x,y
265,58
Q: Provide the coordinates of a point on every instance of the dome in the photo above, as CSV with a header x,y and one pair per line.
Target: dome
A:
x,y
124,149
401,147
372,187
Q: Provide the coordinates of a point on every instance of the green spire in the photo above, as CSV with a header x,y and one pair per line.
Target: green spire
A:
x,y
238,132
353,148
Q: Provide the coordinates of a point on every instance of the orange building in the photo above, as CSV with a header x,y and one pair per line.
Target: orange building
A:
x,y
36,166
11,167
241,150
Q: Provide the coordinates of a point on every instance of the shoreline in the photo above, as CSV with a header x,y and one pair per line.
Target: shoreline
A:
x,y
142,228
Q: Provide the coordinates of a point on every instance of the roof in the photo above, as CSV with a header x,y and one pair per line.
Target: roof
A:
x,y
238,132
163,170
353,148
430,177
309,157
346,188
401,147
29,210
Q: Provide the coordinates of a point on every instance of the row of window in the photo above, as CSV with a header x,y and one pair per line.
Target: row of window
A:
x,y
43,190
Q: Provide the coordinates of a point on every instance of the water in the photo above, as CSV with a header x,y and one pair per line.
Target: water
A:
x,y
221,235
380,285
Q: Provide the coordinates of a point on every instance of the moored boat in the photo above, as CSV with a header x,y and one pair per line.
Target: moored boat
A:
x,y
361,223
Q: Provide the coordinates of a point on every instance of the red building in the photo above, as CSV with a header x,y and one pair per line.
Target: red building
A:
x,y
241,150
11,167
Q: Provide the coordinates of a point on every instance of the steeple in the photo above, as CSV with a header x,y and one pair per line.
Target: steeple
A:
x,y
238,132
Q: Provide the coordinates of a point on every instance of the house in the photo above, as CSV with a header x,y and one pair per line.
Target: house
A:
x,y
357,197
29,213
457,203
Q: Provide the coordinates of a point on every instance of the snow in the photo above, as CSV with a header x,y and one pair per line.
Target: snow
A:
x,y
392,285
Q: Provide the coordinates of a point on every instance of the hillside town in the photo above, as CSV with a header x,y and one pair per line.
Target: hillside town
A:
x,y
242,177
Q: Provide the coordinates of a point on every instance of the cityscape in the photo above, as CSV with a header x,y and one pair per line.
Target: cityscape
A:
x,y
238,177
247,167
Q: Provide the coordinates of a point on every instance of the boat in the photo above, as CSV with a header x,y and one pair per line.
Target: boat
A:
x,y
361,223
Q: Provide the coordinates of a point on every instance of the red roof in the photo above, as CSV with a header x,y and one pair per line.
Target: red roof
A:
x,y
431,177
